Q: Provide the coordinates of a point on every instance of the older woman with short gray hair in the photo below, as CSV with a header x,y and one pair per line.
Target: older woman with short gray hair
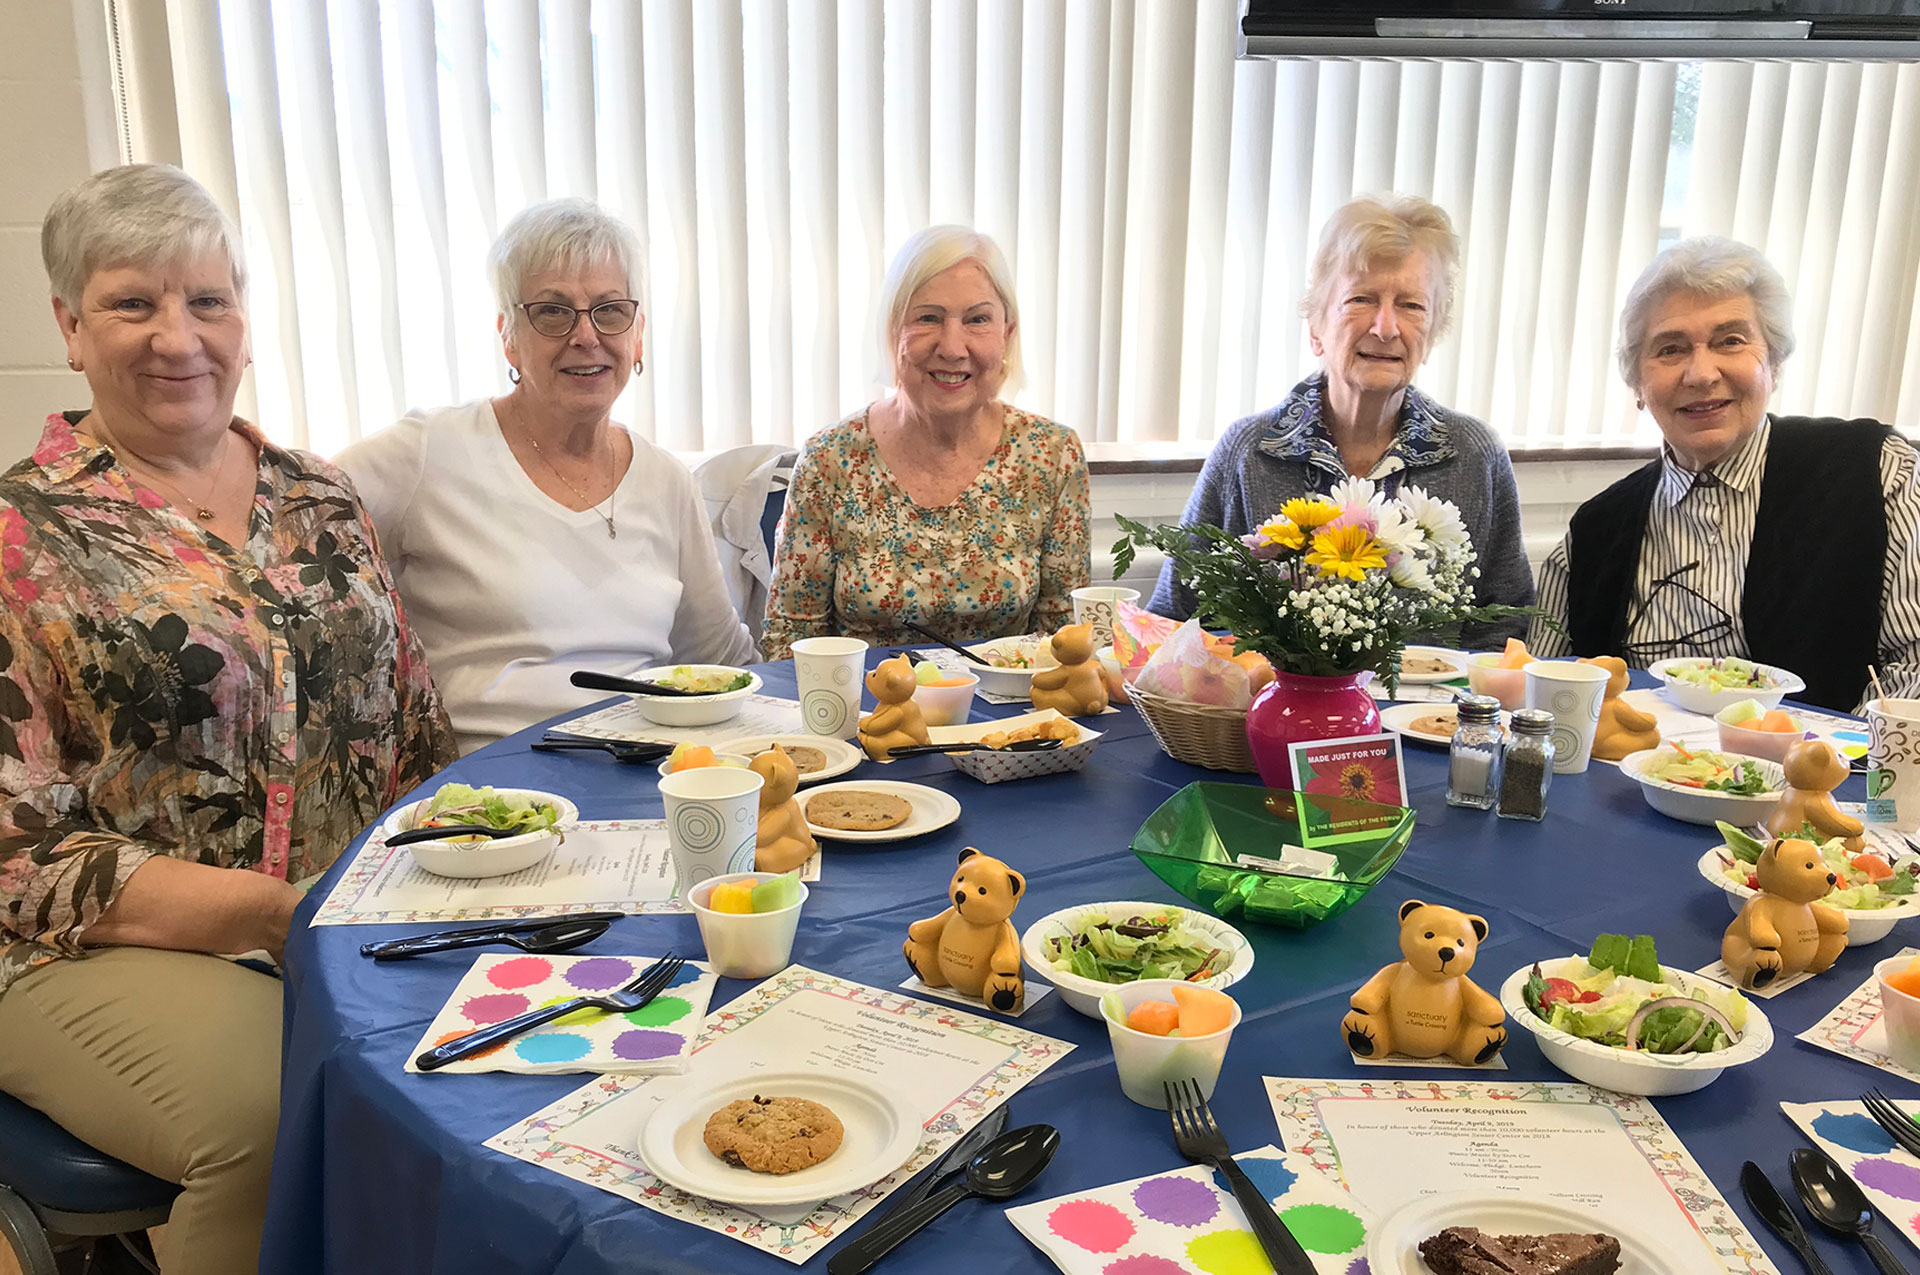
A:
x,y
530,533
207,690
1711,549
1380,293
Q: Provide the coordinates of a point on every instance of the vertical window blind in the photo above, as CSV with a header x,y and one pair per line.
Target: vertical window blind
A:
x,y
1158,200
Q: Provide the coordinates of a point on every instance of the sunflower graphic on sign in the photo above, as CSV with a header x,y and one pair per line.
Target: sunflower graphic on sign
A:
x,y
1345,782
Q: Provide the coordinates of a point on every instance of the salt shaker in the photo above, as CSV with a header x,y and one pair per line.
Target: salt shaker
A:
x,y
1527,765
1473,759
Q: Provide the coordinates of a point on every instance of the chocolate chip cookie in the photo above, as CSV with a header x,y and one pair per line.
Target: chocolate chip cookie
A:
x,y
773,1135
857,810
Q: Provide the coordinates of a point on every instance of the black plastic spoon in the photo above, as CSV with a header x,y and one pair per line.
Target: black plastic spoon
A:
x,y
1045,745
1004,1168
1778,1215
588,680
951,646
438,832
1837,1203
621,750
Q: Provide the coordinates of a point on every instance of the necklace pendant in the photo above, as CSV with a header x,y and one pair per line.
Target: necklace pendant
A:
x,y
203,514
610,532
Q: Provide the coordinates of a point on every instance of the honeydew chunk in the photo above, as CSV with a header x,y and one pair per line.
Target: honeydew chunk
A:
x,y
781,892
1742,711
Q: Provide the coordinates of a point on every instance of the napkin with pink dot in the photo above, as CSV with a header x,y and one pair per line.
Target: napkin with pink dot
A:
x,y
652,1040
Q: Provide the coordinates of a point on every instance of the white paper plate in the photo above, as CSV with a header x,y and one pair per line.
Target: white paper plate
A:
x,y
841,756
1394,1246
932,810
1398,719
1458,659
881,1135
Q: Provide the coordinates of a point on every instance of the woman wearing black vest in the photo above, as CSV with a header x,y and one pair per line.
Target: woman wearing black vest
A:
x,y
1790,540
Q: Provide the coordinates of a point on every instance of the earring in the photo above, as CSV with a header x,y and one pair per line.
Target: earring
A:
x,y
72,365
513,374
1640,404
639,366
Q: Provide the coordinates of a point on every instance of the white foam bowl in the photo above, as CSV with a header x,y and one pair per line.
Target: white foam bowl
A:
x,y
1707,702
1864,925
1010,681
1699,805
1630,1071
693,710
1084,993
469,859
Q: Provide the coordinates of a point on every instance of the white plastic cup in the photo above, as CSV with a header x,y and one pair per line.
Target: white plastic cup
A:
x,y
946,705
1146,1062
829,672
713,822
1096,604
1508,685
1573,693
1899,1014
1893,763
746,944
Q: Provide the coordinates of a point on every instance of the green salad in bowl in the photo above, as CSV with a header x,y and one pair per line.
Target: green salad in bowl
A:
x,y
1086,951
488,807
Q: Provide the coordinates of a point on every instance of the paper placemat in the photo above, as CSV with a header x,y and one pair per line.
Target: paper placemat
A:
x,y
1864,1151
1719,973
759,715
1186,1220
1391,1141
651,1040
1853,1028
1036,992
1496,1063
963,1066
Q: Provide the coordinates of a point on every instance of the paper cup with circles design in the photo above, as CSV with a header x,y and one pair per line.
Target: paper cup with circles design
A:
x,y
1096,604
1573,693
713,822
1893,763
829,671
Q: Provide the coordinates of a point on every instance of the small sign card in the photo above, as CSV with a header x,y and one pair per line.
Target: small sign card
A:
x,y
1358,768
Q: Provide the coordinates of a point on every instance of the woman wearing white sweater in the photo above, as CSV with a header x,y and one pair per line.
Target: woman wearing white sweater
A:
x,y
530,534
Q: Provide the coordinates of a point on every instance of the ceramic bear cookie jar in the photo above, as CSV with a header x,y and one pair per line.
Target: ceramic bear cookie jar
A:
x,y
784,841
1783,929
897,722
1425,1005
1813,771
1078,686
1623,729
972,947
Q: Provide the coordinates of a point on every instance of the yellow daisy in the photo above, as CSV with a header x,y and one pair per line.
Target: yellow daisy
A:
x,y
1279,531
1346,551
1309,513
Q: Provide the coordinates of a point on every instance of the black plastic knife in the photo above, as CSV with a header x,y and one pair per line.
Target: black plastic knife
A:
x,y
1778,1215
956,1157
492,927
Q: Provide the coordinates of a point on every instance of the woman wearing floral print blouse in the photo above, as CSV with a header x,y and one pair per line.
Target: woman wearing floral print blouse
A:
x,y
207,689
939,504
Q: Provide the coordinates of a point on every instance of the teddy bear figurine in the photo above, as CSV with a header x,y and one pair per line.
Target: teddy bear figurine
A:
x,y
972,947
1623,729
896,723
784,841
1078,686
1783,930
1813,771
1425,1005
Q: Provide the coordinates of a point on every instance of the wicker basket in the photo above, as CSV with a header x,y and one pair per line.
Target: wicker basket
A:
x,y
1198,734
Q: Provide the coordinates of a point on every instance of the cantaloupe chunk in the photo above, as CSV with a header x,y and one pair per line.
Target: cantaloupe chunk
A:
x,y
690,757
1776,720
1203,1011
1155,1018
1515,656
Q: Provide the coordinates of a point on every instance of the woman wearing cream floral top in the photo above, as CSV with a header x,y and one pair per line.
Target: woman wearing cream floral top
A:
x,y
939,504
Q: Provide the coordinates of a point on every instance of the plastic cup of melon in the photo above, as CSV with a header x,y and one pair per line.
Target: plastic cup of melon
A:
x,y
1485,676
1147,1061
1745,737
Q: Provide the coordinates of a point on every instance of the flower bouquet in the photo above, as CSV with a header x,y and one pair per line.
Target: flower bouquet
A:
x,y
1331,585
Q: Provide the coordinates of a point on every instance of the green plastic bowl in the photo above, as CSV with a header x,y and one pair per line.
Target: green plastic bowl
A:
x,y
1220,846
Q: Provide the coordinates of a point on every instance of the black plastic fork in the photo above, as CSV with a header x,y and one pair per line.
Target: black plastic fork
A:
x,y
646,985
1200,1140
1898,1124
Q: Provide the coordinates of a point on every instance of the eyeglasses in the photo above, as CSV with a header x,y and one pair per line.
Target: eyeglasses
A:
x,y
609,318
1640,654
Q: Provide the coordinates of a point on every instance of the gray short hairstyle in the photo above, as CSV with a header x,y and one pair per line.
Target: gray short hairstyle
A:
x,y
925,255
562,234
133,214
1372,229
1716,268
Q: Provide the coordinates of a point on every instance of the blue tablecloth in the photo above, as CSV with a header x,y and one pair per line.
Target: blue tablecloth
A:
x,y
378,1170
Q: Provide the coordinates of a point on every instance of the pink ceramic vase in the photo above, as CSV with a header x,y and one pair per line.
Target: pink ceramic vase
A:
x,y
1297,707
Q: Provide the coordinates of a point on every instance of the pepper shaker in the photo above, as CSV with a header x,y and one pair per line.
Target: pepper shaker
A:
x,y
1473,759
1527,765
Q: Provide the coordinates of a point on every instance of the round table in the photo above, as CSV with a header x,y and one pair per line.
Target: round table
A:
x,y
380,1170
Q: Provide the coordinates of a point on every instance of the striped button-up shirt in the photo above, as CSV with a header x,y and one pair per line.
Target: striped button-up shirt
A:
x,y
1693,564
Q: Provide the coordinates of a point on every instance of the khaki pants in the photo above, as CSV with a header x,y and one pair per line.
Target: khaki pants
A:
x,y
169,1061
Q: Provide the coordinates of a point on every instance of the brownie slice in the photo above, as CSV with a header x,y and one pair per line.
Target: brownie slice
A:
x,y
1467,1250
